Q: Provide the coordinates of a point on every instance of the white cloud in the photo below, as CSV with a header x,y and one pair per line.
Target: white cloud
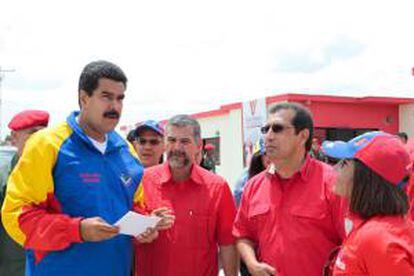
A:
x,y
188,56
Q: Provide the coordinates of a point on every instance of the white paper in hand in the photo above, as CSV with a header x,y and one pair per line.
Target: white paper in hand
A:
x,y
134,224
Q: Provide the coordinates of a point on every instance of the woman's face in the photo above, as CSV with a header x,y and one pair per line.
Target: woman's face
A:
x,y
345,178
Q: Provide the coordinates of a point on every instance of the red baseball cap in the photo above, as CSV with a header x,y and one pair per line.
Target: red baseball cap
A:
x,y
381,152
28,119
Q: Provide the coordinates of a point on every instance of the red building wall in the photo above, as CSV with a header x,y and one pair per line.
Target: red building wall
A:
x,y
346,115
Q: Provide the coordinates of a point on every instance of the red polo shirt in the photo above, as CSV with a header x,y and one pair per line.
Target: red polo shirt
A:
x,y
382,246
295,222
204,209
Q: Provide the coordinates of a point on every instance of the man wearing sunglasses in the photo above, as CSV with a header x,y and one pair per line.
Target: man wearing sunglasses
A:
x,y
22,125
149,143
289,219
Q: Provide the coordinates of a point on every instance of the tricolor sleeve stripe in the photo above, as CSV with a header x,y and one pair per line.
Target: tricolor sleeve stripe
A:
x,y
31,214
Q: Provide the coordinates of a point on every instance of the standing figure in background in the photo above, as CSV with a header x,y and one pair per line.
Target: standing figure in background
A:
x,y
258,163
22,125
149,143
208,161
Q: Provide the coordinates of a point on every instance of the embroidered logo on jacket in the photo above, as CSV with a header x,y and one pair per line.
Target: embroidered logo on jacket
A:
x,y
126,179
90,177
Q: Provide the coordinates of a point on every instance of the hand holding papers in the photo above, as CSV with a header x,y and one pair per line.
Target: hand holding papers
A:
x,y
135,224
167,218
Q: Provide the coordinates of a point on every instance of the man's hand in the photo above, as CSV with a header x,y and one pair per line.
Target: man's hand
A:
x,y
167,218
148,236
96,229
261,269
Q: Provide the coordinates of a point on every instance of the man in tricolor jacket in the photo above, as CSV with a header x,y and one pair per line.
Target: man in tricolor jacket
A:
x,y
73,182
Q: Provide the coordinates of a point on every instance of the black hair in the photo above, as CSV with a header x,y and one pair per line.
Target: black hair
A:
x,y
131,137
301,120
372,195
256,165
97,70
403,136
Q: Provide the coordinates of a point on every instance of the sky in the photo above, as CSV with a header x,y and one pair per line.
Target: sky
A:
x,y
191,56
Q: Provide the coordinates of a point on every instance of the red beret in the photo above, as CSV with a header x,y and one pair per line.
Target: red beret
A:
x,y
28,119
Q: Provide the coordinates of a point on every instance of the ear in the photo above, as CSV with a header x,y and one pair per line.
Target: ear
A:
x,y
304,135
200,144
83,98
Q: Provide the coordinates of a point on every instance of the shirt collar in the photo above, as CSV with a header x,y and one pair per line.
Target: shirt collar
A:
x,y
303,171
195,176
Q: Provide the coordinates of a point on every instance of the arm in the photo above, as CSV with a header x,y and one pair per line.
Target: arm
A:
x,y
167,218
225,218
244,231
247,252
31,214
230,260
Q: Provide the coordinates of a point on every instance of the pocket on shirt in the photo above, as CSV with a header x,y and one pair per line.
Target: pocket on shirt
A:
x,y
202,233
259,213
259,216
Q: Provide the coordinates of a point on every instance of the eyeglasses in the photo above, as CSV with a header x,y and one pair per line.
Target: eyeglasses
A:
x,y
152,142
276,128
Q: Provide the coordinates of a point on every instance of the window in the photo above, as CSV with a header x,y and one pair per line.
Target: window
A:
x,y
215,141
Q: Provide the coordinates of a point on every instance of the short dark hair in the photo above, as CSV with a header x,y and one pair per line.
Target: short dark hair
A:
x,y
403,135
131,137
301,120
183,120
97,70
256,165
372,195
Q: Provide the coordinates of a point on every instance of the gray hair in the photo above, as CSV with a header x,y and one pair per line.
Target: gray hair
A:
x,y
183,120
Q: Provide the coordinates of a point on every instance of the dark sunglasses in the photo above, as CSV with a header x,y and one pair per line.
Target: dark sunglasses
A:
x,y
276,128
152,142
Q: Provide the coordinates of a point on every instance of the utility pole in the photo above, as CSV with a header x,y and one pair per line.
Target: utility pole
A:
x,y
2,75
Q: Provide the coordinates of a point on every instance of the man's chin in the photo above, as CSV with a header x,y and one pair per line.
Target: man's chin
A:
x,y
176,164
109,128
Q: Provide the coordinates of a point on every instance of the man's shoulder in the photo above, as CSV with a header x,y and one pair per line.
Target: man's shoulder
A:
x,y
319,169
315,163
209,177
254,183
154,173
51,136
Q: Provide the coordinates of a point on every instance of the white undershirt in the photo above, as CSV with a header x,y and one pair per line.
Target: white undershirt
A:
x,y
98,145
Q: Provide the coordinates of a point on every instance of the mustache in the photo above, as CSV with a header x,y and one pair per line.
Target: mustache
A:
x,y
113,114
176,153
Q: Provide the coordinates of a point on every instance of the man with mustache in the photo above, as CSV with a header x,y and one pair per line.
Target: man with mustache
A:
x,y
73,181
203,206
289,220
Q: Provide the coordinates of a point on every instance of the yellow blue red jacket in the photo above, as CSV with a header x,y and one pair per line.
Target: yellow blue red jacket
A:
x,y
61,178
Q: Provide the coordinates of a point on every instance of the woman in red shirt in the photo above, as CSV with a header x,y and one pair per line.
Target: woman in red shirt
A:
x,y
372,175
